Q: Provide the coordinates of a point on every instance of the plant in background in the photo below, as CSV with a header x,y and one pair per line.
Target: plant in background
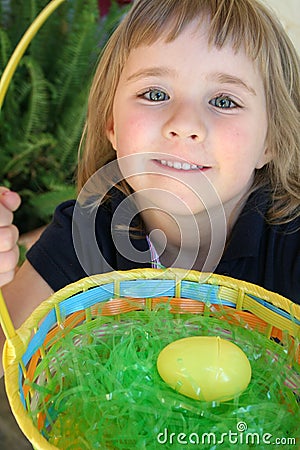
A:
x,y
44,110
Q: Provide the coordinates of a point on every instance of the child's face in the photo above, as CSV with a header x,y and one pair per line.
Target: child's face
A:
x,y
185,102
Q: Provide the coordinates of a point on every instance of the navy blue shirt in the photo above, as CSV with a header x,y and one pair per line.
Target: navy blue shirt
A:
x,y
77,244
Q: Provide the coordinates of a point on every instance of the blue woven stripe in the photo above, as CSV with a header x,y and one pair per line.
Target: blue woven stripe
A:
x,y
86,299
20,386
39,338
203,292
147,288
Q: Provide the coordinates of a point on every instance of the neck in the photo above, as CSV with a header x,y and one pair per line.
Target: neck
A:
x,y
191,241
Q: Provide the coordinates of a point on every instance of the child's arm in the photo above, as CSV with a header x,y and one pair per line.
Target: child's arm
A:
x,y
24,291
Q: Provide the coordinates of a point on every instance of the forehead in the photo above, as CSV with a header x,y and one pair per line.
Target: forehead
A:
x,y
223,24
191,50
221,29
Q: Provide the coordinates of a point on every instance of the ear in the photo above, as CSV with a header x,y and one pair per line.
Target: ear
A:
x,y
264,159
110,133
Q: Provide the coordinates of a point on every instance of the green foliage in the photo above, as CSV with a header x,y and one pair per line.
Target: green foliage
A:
x,y
44,110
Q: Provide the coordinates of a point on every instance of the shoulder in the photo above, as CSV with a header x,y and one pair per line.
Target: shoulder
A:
x,y
263,253
281,251
57,255
63,214
70,213
254,218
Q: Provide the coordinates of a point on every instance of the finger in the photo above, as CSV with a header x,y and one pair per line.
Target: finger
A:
x,y
9,260
6,216
8,238
10,199
3,189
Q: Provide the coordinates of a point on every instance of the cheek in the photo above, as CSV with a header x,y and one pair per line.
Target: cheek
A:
x,y
241,145
132,133
232,143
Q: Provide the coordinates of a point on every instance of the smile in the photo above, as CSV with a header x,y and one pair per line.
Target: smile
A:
x,y
180,165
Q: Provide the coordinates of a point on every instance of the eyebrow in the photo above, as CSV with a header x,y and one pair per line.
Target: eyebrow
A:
x,y
219,77
152,72
225,78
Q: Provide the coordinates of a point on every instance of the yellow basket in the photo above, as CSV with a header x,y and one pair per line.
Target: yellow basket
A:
x,y
115,294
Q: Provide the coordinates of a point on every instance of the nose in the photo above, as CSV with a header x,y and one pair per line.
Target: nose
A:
x,y
185,122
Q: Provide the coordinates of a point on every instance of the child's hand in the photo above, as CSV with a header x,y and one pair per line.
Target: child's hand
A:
x,y
9,251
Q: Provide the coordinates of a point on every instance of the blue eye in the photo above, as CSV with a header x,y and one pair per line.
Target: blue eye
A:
x,y
155,95
223,102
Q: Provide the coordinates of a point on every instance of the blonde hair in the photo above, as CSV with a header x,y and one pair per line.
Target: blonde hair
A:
x,y
241,23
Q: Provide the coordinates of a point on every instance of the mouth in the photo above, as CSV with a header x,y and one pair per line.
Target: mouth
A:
x,y
178,165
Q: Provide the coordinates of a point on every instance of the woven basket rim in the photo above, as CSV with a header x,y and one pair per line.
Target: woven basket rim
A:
x,y
148,274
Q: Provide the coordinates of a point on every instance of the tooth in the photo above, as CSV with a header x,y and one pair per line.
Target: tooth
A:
x,y
180,166
177,165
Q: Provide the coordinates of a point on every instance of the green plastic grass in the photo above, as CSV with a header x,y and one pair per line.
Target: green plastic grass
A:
x,y
105,391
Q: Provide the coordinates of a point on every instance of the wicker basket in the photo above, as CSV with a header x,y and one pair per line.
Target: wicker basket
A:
x,y
115,294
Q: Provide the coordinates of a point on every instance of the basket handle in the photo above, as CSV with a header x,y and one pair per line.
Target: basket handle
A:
x,y
5,320
23,44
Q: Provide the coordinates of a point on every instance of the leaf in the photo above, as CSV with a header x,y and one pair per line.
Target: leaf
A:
x,y
46,203
42,118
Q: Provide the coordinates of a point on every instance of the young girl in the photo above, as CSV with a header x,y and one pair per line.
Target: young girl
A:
x,y
190,158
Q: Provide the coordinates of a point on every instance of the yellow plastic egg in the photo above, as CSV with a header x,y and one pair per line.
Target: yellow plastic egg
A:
x,y
206,368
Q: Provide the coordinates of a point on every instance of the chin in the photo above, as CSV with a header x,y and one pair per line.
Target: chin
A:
x,y
170,202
